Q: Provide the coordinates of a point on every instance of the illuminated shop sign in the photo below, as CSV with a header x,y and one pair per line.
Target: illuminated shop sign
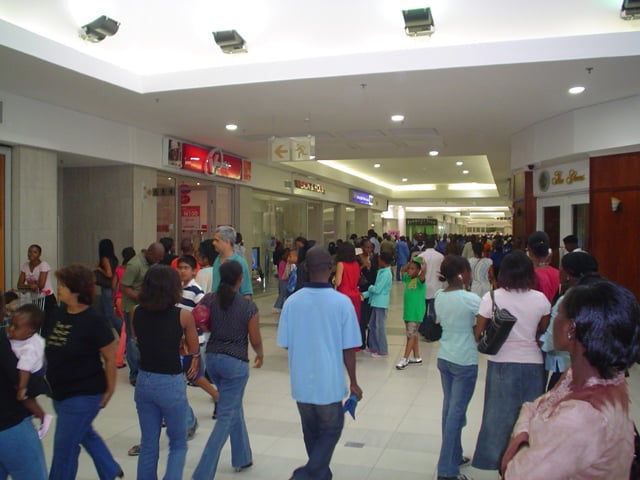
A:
x,y
363,198
310,187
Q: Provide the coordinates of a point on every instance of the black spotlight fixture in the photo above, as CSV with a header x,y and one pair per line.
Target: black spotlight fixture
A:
x,y
418,22
630,10
230,41
99,29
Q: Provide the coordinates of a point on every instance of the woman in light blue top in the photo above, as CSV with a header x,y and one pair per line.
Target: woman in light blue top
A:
x,y
457,360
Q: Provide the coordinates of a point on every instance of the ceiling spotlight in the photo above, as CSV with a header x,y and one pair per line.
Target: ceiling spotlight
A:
x,y
433,153
630,10
465,172
459,163
418,22
405,179
231,127
376,165
576,90
230,41
397,118
99,29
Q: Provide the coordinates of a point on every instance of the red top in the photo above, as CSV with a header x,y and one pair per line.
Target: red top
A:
x,y
547,281
349,285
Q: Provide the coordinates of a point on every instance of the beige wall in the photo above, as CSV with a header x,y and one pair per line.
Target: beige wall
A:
x,y
34,206
144,205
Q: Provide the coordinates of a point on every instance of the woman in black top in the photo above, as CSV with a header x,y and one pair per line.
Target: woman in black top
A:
x,y
105,271
80,341
233,318
21,455
159,325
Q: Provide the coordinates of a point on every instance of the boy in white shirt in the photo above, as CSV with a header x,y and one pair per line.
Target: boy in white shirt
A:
x,y
28,347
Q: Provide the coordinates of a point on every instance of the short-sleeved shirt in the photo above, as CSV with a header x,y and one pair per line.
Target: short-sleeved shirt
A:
x,y
547,281
433,259
33,276
528,306
316,325
191,295
456,311
133,275
74,364
414,306
245,288
30,353
230,328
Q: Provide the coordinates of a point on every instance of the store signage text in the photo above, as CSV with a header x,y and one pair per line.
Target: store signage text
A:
x,y
311,187
205,160
572,177
362,198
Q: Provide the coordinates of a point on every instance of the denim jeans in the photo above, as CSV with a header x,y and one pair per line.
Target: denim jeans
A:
x,y
508,386
398,268
458,383
133,354
73,428
106,307
230,376
21,455
321,428
282,294
161,396
377,332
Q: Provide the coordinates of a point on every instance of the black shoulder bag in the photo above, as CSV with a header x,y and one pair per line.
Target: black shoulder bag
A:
x,y
497,330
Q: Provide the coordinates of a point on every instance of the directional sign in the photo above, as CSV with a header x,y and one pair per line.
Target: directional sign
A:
x,y
292,149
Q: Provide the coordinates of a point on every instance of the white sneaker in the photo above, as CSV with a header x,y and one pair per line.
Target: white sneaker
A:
x,y
415,361
402,364
44,427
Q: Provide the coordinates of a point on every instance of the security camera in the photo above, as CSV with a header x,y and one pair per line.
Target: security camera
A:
x,y
531,166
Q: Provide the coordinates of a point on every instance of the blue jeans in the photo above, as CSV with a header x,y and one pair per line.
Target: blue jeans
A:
x,y
21,455
458,383
161,396
73,428
230,375
398,268
321,428
377,333
133,354
508,386
106,306
282,294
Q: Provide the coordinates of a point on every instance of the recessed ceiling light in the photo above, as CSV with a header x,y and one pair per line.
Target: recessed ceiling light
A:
x,y
434,153
405,179
376,165
464,172
397,118
459,163
168,178
231,127
197,183
576,90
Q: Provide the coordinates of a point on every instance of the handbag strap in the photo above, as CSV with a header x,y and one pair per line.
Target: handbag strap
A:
x,y
494,307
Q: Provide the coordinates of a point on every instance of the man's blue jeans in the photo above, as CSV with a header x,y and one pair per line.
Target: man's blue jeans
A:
x,y
21,455
106,306
161,396
133,354
458,383
230,375
321,428
73,428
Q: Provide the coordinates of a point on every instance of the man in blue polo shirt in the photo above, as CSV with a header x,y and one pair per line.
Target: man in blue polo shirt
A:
x,y
319,328
224,240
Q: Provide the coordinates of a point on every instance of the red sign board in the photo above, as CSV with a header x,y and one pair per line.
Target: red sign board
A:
x,y
190,217
211,162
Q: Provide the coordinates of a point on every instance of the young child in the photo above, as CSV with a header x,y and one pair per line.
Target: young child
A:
x,y
28,347
291,271
283,280
191,296
378,296
413,276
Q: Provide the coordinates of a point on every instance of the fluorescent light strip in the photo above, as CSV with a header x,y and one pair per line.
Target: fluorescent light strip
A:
x,y
501,210
368,178
472,186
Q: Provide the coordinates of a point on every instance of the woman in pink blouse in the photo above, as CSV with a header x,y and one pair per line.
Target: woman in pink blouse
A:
x,y
582,429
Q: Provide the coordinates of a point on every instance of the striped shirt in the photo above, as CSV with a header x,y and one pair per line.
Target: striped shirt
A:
x,y
191,295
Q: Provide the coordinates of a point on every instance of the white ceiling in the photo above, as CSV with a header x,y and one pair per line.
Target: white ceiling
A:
x,y
333,69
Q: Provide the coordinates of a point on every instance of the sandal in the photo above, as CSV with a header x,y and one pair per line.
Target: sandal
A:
x,y
134,451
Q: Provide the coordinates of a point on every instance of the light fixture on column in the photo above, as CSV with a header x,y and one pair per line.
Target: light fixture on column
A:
x,y
230,41
630,10
99,29
418,22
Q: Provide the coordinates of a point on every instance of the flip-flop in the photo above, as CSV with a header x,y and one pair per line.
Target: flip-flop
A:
x,y
134,451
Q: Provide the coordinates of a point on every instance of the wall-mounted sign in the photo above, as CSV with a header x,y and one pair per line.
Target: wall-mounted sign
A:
x,y
309,186
206,160
292,149
421,221
363,198
570,177
190,217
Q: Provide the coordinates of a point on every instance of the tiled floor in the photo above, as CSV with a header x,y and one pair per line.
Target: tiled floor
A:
x,y
396,434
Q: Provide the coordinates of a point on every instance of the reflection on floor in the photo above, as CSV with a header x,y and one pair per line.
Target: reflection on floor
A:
x,y
396,434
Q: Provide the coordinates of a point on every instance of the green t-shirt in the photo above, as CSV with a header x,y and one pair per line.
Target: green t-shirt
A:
x,y
414,295
132,278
